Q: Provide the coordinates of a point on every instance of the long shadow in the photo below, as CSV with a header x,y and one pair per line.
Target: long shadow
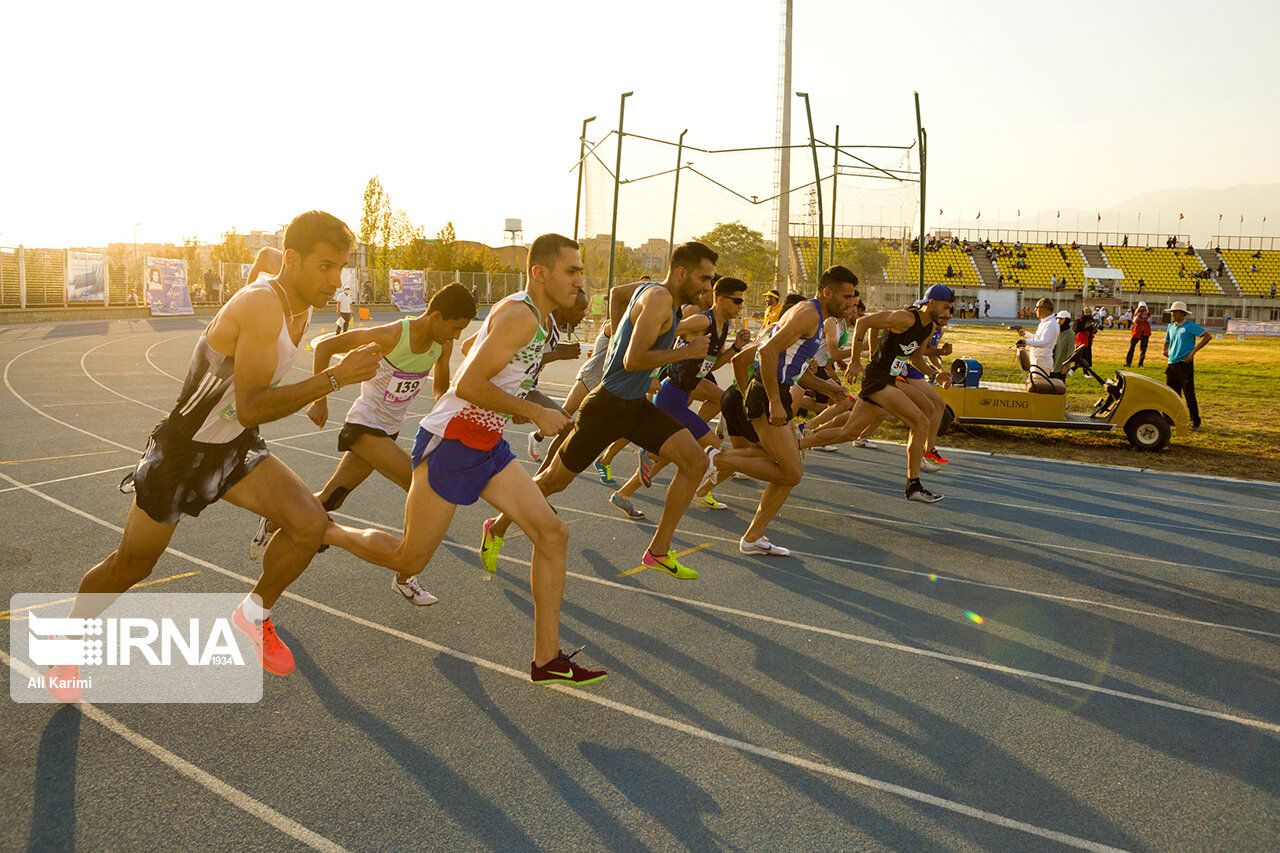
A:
x,y
487,822
53,818
659,792
610,831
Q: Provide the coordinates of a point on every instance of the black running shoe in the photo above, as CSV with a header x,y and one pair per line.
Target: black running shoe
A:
x,y
561,670
917,492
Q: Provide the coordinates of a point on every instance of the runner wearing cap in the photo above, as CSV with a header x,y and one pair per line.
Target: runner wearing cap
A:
x,y
903,333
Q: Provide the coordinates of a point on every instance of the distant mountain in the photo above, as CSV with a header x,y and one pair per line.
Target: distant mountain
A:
x,y
1201,209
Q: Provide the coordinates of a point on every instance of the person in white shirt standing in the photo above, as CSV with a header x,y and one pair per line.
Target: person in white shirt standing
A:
x,y
1035,353
344,310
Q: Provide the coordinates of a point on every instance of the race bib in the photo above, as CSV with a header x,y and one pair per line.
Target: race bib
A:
x,y
705,368
899,366
402,387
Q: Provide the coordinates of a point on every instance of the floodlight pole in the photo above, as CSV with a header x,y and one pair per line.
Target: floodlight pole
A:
x,y
835,172
922,137
671,241
817,176
617,182
582,155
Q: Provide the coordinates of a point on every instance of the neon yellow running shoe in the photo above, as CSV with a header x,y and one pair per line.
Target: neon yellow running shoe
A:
x,y
490,545
669,564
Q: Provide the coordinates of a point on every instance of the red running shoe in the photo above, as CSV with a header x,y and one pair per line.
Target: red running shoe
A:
x,y
273,654
63,682
561,670
933,456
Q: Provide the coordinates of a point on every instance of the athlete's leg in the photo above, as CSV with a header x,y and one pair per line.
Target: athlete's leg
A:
x,y
577,394
741,448
351,472
708,394
517,497
691,462
898,404
383,455
426,521
553,479
780,442
274,492
141,545
928,401
614,449
837,406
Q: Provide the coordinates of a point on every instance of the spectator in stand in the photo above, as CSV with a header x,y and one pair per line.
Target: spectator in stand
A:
x,y
950,273
1125,244
1273,290
1066,344
1197,285
1222,267
1257,254
1085,330
1182,340
1141,284
1253,267
1139,335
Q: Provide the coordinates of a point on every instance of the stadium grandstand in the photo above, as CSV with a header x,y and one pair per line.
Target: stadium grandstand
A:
x,y
1254,273
1160,270
1037,264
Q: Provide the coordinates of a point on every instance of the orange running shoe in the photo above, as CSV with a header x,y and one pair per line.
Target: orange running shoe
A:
x,y
273,654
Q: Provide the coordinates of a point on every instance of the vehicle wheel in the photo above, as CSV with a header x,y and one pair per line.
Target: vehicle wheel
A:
x,y
948,418
1147,431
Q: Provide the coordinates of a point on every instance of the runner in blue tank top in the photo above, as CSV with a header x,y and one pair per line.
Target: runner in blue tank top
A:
x,y
781,356
617,408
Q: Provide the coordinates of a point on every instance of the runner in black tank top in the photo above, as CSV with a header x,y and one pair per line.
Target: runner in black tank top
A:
x,y
903,333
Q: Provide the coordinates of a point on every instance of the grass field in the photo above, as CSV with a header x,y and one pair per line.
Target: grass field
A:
x,y
1237,385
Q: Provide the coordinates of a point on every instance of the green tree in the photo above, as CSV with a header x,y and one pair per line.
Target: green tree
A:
x,y
743,252
863,256
375,223
445,251
233,249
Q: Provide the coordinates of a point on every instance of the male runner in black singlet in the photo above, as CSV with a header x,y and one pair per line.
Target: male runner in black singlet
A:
x,y
903,332
208,448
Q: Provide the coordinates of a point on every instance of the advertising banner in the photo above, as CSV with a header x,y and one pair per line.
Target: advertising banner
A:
x,y
408,289
86,277
167,292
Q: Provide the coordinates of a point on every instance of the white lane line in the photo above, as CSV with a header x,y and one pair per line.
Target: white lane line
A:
x,y
638,713
204,779
872,641
723,539
72,477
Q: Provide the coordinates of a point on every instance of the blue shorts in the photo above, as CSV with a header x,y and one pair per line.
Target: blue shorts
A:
x,y
456,472
675,402
912,373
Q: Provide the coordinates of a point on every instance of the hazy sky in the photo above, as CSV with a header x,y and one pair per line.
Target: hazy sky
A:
x,y
191,118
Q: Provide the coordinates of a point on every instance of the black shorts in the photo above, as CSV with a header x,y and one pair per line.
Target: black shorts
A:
x,y
871,384
821,373
757,403
733,414
177,476
605,417
350,432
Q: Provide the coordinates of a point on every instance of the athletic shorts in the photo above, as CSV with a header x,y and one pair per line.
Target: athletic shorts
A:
x,y
912,373
538,398
605,417
591,373
823,374
757,400
871,385
456,472
675,402
177,476
350,432
733,414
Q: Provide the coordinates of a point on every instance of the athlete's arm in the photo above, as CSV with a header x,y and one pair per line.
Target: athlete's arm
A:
x,y
619,299
440,371
693,326
510,328
881,320
257,322
740,340
469,343
801,321
386,336
648,317
742,366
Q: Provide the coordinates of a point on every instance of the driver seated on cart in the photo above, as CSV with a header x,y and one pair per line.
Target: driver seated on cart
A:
x,y
1035,353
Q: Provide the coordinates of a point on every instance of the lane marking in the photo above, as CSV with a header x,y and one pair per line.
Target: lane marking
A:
x,y
276,819
50,458
84,403
72,477
8,614
681,554
204,779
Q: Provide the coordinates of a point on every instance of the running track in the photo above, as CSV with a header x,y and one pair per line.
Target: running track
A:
x,y
1121,691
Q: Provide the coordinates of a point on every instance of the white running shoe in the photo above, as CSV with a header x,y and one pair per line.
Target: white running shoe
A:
x,y
827,448
260,539
763,546
535,446
413,591
928,465
710,476
862,442
738,475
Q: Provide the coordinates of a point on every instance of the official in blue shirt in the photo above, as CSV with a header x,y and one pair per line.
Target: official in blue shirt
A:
x,y
1182,340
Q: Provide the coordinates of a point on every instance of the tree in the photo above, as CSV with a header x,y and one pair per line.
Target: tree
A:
x,y
375,223
863,256
233,249
743,252
445,251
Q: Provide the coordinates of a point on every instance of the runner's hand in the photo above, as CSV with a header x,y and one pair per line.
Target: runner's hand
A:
x,y
697,348
567,351
743,338
946,349
855,370
550,421
358,365
777,414
319,412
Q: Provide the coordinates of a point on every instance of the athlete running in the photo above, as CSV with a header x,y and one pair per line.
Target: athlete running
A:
x,y
415,348
617,408
683,377
903,332
460,455
208,448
